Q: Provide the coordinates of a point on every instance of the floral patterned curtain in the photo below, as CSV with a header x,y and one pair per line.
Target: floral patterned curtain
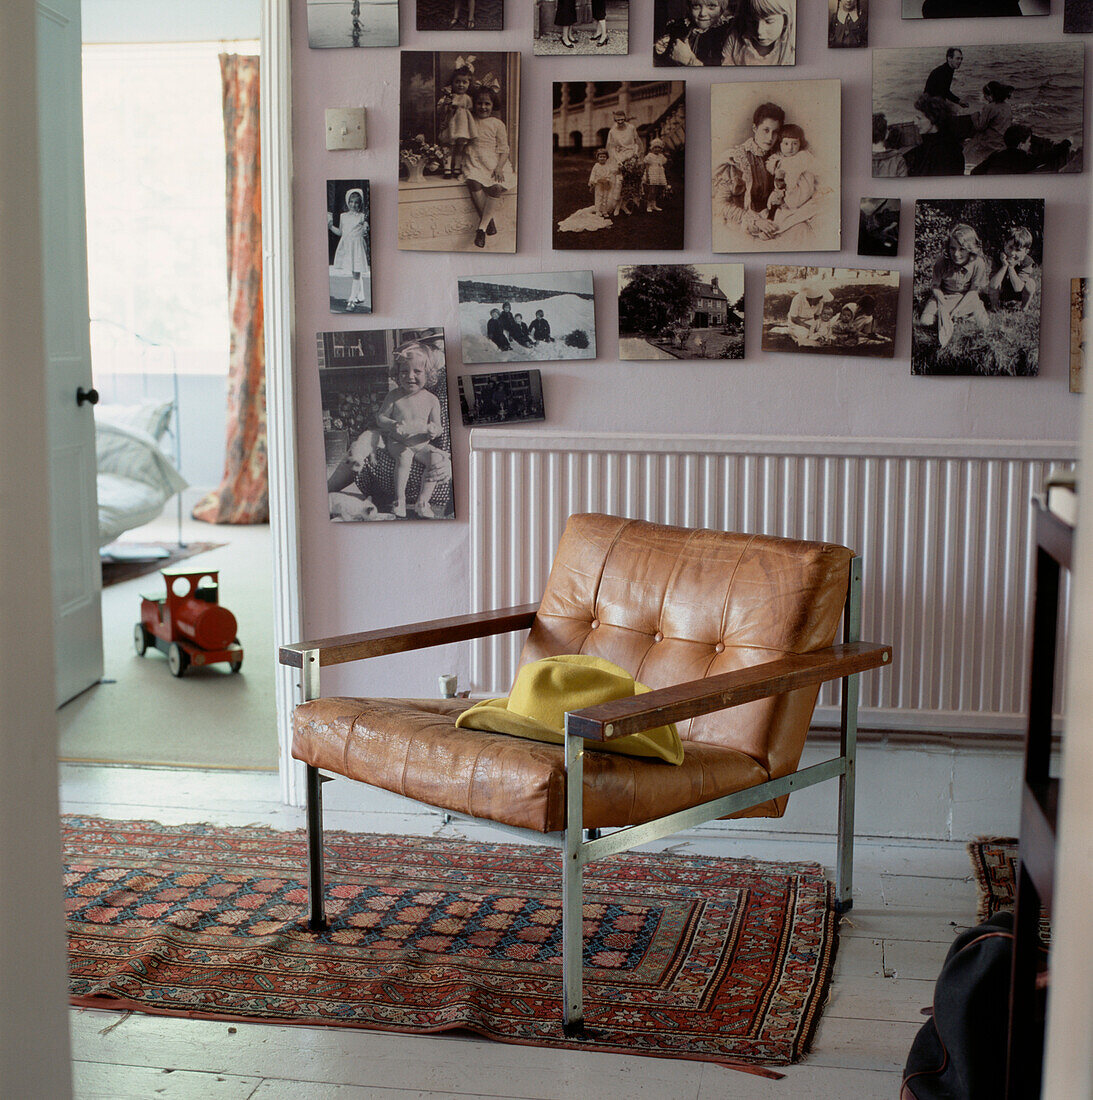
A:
x,y
243,493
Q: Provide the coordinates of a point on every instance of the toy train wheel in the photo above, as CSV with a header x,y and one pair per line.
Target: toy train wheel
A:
x,y
178,660
235,666
140,639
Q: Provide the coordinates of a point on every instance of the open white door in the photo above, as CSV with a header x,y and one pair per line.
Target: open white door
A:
x,y
77,580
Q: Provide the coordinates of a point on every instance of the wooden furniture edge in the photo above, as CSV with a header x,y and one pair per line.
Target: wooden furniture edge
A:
x,y
400,639
729,689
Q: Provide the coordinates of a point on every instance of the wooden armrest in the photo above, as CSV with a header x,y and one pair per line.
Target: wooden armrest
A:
x,y
399,639
730,689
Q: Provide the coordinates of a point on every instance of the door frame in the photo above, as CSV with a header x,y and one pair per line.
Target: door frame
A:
x,y
279,317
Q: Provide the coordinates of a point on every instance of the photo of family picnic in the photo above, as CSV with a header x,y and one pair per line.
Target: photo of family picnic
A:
x,y
333,24
776,166
725,32
831,310
974,9
385,424
978,110
458,142
501,397
977,286
681,311
515,318
569,28
618,164
349,246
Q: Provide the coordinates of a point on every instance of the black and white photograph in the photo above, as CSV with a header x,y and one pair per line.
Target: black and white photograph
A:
x,y
460,15
520,318
724,32
385,424
459,132
977,283
349,245
776,150
830,310
974,9
501,397
1079,349
618,164
332,24
566,28
1077,16
847,24
959,109
878,227
681,311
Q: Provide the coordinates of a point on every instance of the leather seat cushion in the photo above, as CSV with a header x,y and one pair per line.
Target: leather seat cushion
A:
x,y
413,748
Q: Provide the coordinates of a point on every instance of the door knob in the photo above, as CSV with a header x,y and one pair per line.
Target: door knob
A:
x,y
91,396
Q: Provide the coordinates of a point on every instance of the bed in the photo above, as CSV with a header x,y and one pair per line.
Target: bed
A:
x,y
136,476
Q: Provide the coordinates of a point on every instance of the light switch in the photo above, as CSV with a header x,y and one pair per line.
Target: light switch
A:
x,y
345,128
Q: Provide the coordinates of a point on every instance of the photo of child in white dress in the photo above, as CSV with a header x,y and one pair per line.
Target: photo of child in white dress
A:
x,y
350,246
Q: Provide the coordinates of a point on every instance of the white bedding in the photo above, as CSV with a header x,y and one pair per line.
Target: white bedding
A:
x,y
135,477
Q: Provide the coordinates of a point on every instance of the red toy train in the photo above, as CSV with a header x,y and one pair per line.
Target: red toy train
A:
x,y
188,623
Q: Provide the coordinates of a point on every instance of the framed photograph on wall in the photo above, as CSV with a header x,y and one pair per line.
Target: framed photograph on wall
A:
x,y
979,110
878,227
847,24
459,132
349,245
517,318
618,164
1077,16
332,24
730,32
977,286
501,397
568,28
681,311
460,15
974,9
832,311
776,165
1079,351
388,441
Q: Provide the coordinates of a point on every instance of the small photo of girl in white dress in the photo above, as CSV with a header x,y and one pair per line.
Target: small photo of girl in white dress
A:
x,y
349,246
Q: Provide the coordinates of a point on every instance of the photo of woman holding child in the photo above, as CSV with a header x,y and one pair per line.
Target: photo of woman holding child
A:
x,y
776,166
977,286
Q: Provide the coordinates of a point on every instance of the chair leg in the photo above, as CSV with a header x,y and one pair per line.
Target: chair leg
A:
x,y
572,891
848,748
317,920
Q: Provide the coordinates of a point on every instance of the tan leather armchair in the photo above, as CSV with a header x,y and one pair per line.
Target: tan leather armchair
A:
x,y
734,633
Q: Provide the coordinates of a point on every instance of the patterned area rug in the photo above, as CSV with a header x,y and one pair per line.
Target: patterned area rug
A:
x,y
994,864
686,957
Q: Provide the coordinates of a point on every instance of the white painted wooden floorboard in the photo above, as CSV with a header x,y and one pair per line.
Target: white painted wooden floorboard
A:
x,y
100,1081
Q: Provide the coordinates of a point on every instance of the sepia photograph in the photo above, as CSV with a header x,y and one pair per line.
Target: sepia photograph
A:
x,y
830,310
517,318
974,9
724,32
878,227
776,166
385,424
1077,16
977,283
618,164
332,24
568,28
847,24
1079,352
460,15
349,245
958,110
458,140
681,311
501,397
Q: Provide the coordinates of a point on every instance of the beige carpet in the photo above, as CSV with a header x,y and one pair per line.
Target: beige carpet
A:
x,y
141,714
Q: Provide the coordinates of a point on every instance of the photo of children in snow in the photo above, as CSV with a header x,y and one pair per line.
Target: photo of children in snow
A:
x,y
681,311
350,246
978,110
501,397
830,310
385,422
618,164
458,140
516,318
977,285
776,166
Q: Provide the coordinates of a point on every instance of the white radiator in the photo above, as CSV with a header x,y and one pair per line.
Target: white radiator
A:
x,y
945,530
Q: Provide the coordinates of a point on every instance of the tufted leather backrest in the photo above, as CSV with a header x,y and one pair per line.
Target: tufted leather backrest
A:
x,y
672,604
